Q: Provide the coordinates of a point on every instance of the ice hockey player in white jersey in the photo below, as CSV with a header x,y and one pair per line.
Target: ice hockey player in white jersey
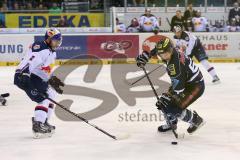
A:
x,y
120,27
33,75
148,22
200,24
192,46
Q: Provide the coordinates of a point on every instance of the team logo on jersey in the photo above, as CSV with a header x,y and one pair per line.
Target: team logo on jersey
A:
x,y
36,47
148,23
34,92
46,69
172,69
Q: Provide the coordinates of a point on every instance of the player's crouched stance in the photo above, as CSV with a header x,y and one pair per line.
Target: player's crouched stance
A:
x,y
33,75
187,86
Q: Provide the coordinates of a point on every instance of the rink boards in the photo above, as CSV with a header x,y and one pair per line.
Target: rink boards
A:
x,y
111,48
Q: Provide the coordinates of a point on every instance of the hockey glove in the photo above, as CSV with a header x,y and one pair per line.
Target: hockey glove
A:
x,y
142,59
56,83
164,101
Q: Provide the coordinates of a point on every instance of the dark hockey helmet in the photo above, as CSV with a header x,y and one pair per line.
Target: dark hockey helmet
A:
x,y
163,45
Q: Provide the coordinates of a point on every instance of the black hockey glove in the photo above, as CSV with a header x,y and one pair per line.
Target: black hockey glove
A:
x,y
142,59
164,101
56,83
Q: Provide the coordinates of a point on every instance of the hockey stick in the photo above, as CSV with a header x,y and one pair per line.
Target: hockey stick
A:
x,y
155,93
132,83
86,121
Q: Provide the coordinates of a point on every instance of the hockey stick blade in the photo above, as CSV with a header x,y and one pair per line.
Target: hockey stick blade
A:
x,y
122,137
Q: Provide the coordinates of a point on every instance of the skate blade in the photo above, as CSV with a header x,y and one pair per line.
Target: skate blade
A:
x,y
202,124
42,135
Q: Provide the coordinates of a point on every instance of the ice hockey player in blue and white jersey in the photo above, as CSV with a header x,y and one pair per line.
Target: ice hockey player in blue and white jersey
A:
x,y
33,75
192,47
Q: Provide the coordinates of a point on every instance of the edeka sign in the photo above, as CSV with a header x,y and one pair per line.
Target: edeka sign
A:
x,y
72,46
51,20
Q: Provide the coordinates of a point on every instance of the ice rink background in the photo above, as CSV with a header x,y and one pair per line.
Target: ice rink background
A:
x,y
219,139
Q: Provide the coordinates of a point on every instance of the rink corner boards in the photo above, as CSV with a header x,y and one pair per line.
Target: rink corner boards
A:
x,y
118,61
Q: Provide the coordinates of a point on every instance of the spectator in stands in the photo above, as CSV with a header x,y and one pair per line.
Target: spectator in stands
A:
x,y
29,6
96,4
117,3
41,7
3,7
200,23
234,14
120,27
134,26
16,6
62,23
148,22
178,19
55,8
139,3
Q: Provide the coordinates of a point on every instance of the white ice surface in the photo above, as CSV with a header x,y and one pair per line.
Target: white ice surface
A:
x,y
219,139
